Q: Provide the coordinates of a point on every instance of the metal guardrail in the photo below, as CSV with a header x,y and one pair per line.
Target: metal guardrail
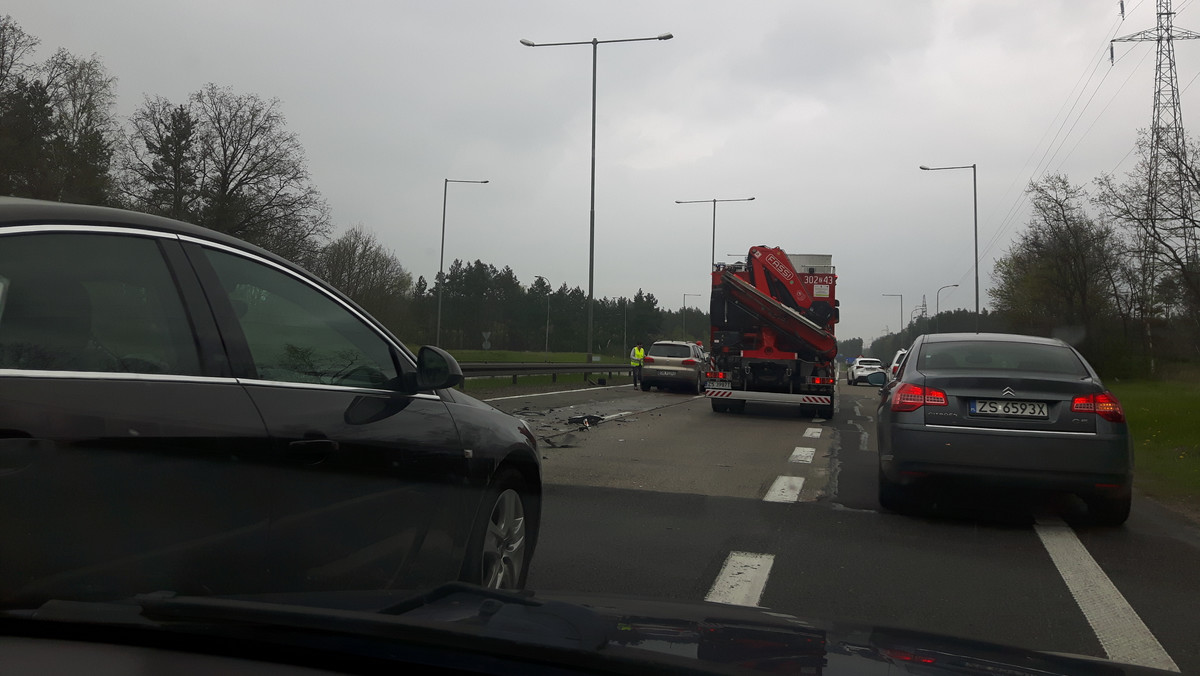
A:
x,y
553,369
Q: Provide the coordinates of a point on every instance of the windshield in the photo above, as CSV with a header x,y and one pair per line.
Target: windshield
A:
x,y
339,303
997,356
667,350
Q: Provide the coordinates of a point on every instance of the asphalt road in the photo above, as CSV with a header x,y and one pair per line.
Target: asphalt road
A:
x,y
660,497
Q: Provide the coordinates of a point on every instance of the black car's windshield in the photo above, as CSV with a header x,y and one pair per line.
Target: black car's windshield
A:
x,y
999,356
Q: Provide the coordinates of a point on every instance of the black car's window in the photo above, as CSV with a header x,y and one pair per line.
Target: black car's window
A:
x,y
297,333
999,356
92,302
658,350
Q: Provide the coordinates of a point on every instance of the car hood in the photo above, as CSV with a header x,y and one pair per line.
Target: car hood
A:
x,y
607,633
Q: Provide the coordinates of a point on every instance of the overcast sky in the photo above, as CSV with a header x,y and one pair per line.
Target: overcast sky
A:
x,y
821,111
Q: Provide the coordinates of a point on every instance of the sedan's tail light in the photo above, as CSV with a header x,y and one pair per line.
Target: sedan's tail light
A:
x,y
1104,405
690,362
909,397
647,360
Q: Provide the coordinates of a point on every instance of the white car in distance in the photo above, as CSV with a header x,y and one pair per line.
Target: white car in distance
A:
x,y
861,368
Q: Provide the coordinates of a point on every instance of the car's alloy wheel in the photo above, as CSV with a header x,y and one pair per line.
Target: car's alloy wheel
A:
x,y
498,550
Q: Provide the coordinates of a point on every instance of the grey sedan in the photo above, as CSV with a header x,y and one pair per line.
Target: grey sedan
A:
x,y
1008,410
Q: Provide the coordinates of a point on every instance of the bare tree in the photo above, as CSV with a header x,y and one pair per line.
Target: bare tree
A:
x,y
15,47
256,184
81,97
160,159
362,268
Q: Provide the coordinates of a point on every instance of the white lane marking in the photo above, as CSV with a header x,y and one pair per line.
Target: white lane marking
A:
x,y
547,394
862,436
785,489
742,579
616,415
802,454
818,420
1122,634
813,433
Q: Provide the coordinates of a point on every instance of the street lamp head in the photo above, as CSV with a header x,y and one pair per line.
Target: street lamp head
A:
x,y
484,181
528,43
923,167
750,200
665,36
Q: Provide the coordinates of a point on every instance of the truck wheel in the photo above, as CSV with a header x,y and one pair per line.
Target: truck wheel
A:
x,y
738,406
719,406
825,412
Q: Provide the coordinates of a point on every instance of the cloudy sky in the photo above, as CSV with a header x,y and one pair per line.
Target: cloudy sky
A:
x,y
821,111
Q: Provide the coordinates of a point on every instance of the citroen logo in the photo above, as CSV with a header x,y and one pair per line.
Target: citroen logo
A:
x,y
1008,392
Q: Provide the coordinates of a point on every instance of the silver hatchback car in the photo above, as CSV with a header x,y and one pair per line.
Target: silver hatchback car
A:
x,y
675,364
1007,410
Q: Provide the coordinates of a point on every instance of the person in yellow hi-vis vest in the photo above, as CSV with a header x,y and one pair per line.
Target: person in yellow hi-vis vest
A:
x,y
636,356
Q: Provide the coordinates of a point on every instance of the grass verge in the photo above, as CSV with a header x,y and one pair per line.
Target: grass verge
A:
x,y
1166,439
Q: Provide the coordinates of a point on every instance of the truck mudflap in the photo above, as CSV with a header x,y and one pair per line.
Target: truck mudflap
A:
x,y
769,397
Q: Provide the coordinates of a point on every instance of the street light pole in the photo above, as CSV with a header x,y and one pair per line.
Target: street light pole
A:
x,y
442,256
901,297
683,312
713,262
592,208
937,308
975,202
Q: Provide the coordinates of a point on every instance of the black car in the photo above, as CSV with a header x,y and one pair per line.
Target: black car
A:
x,y
1007,410
182,411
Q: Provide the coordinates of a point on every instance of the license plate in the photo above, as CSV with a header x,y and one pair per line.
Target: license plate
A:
x,y
719,385
1021,409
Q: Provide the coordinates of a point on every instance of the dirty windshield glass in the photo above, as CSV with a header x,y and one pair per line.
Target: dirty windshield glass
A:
x,y
606,304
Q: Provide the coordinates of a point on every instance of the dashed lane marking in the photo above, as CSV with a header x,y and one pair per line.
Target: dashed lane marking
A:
x,y
802,454
742,579
813,433
1122,634
785,489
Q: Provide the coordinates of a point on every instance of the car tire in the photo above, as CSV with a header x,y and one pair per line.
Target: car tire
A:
x,y
645,386
1109,510
892,496
499,550
719,406
699,383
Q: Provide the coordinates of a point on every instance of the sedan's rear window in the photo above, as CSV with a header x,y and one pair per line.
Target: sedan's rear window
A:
x,y
999,356
869,362
665,350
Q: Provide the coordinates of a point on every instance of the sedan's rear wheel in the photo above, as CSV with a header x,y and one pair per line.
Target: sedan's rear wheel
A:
x,y
497,552
892,496
1109,510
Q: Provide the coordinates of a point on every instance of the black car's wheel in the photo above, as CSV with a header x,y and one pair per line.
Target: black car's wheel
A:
x,y
645,386
1109,510
498,551
892,496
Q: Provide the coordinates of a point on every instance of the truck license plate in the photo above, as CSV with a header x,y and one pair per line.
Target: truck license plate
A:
x,y
719,385
1021,409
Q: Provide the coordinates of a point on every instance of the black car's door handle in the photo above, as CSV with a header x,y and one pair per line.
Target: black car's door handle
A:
x,y
19,453
312,450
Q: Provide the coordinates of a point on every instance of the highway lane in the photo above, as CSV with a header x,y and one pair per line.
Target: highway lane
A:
x,y
654,501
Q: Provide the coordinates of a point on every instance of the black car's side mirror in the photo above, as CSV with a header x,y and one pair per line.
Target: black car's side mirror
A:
x,y
436,369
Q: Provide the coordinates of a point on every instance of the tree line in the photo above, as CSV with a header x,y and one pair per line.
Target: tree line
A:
x,y
227,161
1113,269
